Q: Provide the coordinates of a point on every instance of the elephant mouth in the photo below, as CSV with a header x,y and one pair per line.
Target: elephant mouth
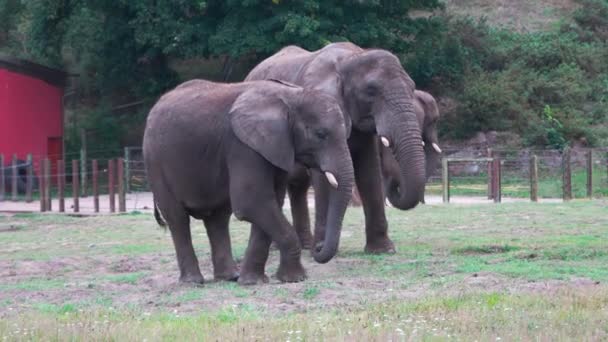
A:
x,y
366,124
307,159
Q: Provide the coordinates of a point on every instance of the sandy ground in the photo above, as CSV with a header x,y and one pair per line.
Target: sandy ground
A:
x,y
142,201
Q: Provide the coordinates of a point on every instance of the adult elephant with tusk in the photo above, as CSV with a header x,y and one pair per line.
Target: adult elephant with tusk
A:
x,y
377,99
214,149
427,113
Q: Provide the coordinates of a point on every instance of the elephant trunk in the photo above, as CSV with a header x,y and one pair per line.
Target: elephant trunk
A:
x,y
338,201
406,191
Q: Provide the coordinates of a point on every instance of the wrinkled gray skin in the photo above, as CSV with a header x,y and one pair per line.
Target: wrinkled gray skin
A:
x,y
427,113
377,98
213,149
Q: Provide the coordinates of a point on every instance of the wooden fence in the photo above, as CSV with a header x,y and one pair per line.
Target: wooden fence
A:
x,y
54,184
495,177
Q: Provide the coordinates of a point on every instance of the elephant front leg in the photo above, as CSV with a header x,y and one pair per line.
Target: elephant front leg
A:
x,y
368,178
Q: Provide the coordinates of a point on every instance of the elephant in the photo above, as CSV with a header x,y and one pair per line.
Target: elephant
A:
x,y
377,98
427,113
213,149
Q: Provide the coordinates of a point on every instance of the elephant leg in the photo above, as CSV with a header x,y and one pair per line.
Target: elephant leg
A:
x,y
368,178
256,255
224,266
261,206
179,225
298,193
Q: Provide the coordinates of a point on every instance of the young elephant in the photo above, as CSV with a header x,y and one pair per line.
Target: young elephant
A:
x,y
427,113
212,149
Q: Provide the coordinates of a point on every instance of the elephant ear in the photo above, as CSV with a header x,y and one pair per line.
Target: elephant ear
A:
x,y
322,74
428,104
260,121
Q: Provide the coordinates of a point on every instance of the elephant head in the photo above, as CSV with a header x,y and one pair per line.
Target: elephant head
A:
x,y
379,96
427,113
304,126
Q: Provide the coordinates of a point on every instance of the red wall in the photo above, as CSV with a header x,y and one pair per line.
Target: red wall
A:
x,y
30,113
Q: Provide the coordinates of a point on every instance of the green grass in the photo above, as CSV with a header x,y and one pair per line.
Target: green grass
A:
x,y
518,271
565,315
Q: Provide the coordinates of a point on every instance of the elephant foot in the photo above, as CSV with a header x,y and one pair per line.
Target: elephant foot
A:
x,y
232,275
380,246
291,274
251,278
192,279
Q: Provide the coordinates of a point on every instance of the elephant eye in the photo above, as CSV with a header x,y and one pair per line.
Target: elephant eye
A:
x,y
321,133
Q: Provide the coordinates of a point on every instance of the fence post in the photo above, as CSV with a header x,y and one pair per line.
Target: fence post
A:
x,y
566,175
47,183
83,162
127,169
14,178
111,185
41,186
496,176
590,173
490,189
534,178
75,185
61,184
95,170
2,177
445,177
29,180
120,172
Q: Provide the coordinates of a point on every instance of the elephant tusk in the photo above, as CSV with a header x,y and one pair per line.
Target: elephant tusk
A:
x,y
331,179
385,141
436,147
423,144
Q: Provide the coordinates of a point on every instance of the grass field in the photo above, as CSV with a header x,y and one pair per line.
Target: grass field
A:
x,y
478,272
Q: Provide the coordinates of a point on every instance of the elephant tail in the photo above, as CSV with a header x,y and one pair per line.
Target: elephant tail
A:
x,y
159,217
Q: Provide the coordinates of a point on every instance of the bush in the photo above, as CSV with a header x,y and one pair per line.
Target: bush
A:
x,y
548,87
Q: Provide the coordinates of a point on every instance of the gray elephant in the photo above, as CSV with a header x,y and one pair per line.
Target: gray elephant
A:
x,y
428,114
377,99
215,149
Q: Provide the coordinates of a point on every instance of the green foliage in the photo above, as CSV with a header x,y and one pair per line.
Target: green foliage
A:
x,y
548,87
102,129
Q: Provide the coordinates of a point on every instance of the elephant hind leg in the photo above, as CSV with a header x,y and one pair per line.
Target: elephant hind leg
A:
x,y
224,266
254,263
299,212
178,220
179,225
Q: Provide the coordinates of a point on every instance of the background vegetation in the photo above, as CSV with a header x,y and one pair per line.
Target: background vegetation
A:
x,y
548,86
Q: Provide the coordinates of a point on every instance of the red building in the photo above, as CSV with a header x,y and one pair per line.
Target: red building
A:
x,y
31,110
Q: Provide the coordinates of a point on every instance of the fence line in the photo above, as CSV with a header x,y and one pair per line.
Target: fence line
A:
x,y
491,173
